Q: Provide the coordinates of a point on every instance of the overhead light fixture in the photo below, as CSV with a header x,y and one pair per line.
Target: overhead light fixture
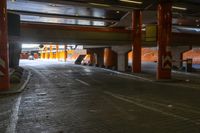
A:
x,y
99,4
179,8
130,1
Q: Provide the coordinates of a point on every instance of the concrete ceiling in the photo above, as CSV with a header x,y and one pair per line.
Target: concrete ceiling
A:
x,y
103,13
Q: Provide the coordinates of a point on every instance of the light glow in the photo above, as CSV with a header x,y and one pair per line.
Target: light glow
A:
x,y
98,4
179,8
30,45
130,1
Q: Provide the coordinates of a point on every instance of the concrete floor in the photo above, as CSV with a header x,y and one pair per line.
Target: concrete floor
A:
x,y
66,98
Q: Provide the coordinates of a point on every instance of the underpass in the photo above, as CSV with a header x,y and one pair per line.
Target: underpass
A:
x,y
90,66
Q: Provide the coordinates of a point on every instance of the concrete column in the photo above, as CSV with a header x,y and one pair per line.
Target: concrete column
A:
x,y
4,59
100,58
121,56
14,54
177,52
98,55
137,34
164,36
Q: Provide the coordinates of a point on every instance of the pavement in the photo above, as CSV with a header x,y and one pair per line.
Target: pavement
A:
x,y
67,98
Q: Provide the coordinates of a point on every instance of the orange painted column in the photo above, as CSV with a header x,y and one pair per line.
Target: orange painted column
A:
x,y
164,12
51,52
46,53
136,46
4,59
108,61
57,53
65,53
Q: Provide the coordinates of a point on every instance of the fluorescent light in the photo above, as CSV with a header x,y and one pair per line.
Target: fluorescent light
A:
x,y
98,4
130,1
179,8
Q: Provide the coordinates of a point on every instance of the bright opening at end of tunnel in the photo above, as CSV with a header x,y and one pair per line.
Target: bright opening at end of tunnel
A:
x,y
30,45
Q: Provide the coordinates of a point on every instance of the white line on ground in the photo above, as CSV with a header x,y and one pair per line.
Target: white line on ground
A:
x,y
14,117
149,107
83,82
129,75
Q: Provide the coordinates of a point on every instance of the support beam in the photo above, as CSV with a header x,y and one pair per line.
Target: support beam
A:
x,y
4,59
137,38
164,36
121,56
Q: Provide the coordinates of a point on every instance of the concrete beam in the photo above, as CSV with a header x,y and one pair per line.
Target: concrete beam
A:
x,y
46,33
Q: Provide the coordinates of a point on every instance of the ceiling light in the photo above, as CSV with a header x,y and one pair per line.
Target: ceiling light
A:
x,y
117,11
130,1
179,8
98,4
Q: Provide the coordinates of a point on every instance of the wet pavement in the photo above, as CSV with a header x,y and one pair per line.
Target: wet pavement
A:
x,y
66,98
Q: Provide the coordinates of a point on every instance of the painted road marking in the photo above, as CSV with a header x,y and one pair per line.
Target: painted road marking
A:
x,y
83,82
150,108
14,117
2,63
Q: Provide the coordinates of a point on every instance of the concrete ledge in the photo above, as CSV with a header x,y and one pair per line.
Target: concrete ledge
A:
x,y
17,88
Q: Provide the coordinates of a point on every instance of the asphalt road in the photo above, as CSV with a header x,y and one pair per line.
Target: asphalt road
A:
x,y
66,98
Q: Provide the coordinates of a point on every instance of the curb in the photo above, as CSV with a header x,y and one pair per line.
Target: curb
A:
x,y
21,88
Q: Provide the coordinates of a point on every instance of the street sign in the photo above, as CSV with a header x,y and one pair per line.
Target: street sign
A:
x,y
167,61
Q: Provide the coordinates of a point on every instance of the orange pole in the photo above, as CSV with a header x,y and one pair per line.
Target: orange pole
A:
x,y
46,53
65,53
57,53
4,59
51,52
164,35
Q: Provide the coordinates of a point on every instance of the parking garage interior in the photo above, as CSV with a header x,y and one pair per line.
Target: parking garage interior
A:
x,y
98,66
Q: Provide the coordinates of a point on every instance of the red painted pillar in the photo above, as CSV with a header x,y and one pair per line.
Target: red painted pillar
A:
x,y
136,46
164,36
4,67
